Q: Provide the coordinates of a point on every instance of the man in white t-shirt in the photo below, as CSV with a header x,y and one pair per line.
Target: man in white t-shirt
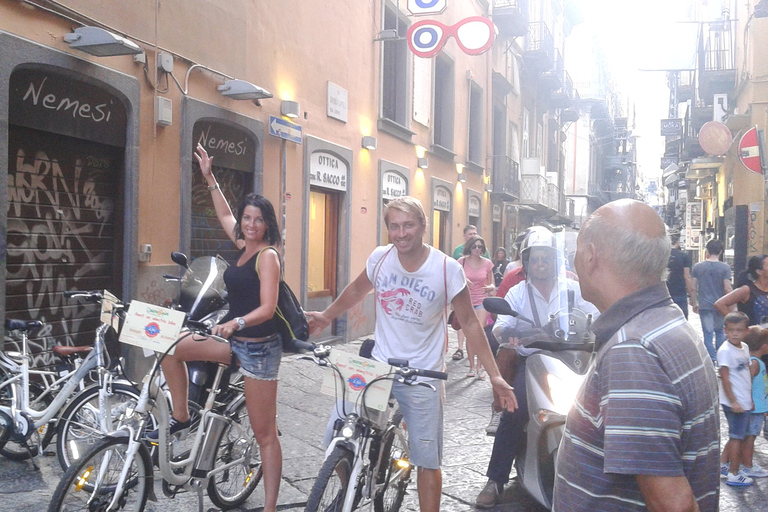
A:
x,y
414,284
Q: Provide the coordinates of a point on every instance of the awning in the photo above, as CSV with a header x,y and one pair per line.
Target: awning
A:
x,y
704,167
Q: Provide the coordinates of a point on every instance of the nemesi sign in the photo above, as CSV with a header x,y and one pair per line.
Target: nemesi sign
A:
x,y
231,148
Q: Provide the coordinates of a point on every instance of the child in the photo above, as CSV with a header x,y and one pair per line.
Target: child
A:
x,y
735,396
757,341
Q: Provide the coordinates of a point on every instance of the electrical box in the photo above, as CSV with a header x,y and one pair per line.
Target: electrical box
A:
x,y
165,62
164,111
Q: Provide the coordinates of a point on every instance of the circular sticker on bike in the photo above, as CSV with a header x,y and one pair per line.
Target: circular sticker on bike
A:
x,y
356,382
152,329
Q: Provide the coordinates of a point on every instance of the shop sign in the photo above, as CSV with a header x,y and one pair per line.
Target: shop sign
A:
x,y
441,199
338,102
473,207
231,148
496,212
393,185
693,225
327,171
671,127
59,103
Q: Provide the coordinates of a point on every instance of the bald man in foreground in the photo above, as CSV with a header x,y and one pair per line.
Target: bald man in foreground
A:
x,y
644,431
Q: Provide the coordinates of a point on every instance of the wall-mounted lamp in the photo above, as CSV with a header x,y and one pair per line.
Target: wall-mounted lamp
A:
x,y
369,142
463,177
242,90
289,108
423,163
97,41
488,187
389,34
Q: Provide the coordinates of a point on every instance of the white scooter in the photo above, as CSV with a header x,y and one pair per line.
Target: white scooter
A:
x,y
554,375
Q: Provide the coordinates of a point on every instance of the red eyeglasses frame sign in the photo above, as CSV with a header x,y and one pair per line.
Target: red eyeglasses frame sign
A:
x,y
442,33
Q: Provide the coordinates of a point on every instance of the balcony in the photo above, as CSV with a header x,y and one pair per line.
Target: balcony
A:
x,y
511,17
505,180
553,197
534,191
718,58
564,97
685,85
539,49
553,79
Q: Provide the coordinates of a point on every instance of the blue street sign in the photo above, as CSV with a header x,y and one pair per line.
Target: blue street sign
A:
x,y
279,127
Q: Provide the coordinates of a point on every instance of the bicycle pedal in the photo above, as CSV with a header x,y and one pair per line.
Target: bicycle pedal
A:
x,y
49,453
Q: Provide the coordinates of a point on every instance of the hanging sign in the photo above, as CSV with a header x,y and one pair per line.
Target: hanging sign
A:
x,y
474,35
420,7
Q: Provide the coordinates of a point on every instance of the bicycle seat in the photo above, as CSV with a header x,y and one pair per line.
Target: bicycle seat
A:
x,y
62,350
22,325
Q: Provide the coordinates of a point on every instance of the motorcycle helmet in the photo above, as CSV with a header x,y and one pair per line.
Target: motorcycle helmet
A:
x,y
537,236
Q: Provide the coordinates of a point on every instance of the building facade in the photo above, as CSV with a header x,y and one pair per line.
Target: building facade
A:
x,y
325,110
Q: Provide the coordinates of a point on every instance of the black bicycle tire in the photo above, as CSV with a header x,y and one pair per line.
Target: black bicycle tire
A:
x,y
24,454
77,470
387,441
214,492
339,457
65,419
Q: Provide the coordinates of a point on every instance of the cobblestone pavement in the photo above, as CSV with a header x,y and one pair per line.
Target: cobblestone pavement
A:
x,y
303,413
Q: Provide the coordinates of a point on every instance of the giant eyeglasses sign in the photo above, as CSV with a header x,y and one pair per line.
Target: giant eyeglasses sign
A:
x,y
420,7
474,35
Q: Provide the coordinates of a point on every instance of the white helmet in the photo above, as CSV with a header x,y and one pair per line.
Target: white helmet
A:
x,y
537,236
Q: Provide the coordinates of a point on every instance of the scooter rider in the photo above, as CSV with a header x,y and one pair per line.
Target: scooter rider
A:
x,y
545,291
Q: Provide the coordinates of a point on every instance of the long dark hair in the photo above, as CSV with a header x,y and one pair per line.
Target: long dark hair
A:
x,y
272,235
471,242
754,264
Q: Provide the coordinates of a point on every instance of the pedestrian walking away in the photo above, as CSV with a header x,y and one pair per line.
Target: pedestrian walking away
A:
x,y
711,280
415,329
644,431
679,274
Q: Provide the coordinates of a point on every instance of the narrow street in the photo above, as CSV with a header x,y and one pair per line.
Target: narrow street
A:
x,y
303,412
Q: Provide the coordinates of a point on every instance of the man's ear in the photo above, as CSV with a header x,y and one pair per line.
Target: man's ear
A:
x,y
590,258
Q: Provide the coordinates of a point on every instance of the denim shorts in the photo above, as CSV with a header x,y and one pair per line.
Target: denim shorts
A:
x,y
756,420
258,359
423,416
737,423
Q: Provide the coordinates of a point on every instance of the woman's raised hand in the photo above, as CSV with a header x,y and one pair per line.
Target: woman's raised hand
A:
x,y
204,161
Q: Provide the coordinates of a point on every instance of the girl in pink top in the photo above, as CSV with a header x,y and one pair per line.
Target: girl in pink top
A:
x,y
479,272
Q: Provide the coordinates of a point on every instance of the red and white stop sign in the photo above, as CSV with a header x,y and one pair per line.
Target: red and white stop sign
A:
x,y
749,151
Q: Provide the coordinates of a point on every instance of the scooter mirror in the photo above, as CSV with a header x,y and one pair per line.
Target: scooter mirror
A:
x,y
498,306
180,259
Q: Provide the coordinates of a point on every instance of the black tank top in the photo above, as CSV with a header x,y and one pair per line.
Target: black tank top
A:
x,y
756,307
244,295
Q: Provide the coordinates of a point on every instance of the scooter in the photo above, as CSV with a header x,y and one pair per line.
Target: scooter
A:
x,y
554,375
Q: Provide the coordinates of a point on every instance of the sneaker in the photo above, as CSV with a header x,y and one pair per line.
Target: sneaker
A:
x,y
754,472
176,427
740,480
488,496
493,425
723,470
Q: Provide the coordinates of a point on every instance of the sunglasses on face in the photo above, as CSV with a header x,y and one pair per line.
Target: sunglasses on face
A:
x,y
477,246
537,260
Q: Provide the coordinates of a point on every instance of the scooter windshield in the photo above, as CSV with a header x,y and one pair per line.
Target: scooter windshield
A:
x,y
202,287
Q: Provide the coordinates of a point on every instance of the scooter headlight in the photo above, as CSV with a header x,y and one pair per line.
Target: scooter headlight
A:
x,y
562,393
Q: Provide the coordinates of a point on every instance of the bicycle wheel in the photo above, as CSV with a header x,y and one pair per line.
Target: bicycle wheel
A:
x,y
232,486
15,447
331,484
79,426
395,470
90,483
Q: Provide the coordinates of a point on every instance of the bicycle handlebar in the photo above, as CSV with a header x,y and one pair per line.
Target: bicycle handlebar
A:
x,y
93,296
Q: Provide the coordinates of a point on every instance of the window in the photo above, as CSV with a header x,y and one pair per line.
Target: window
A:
x,y
526,133
475,138
323,231
444,102
514,143
395,70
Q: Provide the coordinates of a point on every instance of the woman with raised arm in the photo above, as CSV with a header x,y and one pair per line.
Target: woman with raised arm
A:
x,y
479,272
250,326
751,294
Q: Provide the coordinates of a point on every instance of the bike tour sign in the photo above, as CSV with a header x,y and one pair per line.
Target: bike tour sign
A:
x,y
357,373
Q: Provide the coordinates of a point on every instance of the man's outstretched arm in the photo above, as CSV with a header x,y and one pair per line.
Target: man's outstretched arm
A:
x,y
352,294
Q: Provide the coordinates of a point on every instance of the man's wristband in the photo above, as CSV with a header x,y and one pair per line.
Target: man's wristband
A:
x,y
211,188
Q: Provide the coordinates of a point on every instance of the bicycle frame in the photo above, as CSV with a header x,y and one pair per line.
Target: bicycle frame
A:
x,y
162,410
19,385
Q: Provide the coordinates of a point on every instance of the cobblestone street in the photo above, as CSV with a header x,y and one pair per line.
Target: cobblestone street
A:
x,y
303,413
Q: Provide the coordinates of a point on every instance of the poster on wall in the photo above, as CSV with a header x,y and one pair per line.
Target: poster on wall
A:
x,y
693,225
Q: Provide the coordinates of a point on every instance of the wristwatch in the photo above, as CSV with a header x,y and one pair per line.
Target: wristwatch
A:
x,y
240,323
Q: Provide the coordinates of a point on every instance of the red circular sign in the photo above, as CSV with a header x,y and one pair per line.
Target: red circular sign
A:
x,y
749,152
715,138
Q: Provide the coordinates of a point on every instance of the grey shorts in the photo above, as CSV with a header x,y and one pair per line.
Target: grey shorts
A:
x,y
258,359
